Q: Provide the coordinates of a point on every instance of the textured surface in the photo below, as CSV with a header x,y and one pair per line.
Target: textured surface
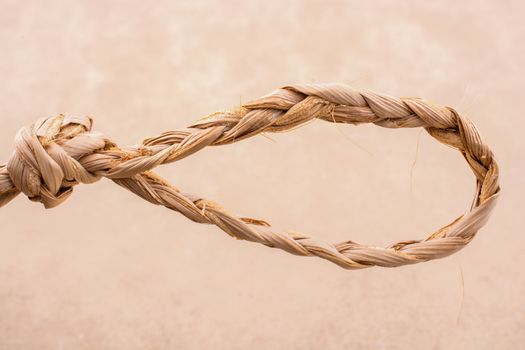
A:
x,y
135,280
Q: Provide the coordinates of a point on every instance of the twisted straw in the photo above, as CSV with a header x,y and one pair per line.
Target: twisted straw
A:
x,y
56,153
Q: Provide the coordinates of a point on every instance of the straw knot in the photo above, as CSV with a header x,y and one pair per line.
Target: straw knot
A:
x,y
44,165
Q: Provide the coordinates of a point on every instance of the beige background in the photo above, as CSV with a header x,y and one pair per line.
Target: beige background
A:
x,y
107,270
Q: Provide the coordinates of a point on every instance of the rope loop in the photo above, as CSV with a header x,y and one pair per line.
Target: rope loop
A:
x,y
54,154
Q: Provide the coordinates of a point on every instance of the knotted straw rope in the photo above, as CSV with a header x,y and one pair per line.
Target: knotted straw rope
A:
x,y
56,153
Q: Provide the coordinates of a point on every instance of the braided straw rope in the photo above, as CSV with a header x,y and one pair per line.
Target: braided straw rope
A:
x,y
56,153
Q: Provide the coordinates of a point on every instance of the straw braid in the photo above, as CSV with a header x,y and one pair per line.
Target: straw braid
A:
x,y
56,153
